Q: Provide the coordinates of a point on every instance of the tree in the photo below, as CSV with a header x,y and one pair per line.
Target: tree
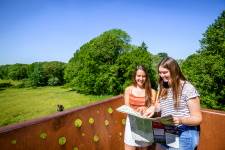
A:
x,y
36,75
85,71
129,60
54,72
143,46
162,55
206,68
18,71
4,71
104,64
213,41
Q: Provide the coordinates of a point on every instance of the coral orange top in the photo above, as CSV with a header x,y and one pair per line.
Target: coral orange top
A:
x,y
136,101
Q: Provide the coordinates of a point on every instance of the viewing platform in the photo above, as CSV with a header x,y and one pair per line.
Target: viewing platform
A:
x,y
97,126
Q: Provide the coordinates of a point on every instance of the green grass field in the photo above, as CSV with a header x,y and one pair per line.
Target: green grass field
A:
x,y
17,105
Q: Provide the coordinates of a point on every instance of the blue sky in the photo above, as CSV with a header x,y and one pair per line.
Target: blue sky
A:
x,y
49,30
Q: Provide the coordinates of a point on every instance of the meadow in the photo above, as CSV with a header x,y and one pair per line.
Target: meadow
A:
x,y
20,104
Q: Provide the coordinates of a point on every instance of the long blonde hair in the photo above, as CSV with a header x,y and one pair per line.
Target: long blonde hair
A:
x,y
176,76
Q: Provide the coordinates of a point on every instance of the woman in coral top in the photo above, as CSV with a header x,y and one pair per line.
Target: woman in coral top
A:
x,y
141,97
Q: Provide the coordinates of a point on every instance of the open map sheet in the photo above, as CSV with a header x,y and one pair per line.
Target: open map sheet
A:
x,y
128,110
151,130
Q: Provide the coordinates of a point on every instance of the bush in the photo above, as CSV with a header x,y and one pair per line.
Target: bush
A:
x,y
53,81
5,84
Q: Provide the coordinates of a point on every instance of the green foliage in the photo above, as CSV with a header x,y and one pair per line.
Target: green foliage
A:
x,y
4,69
54,72
162,55
21,83
5,85
129,60
213,41
36,75
10,83
89,69
53,81
143,46
18,71
105,64
206,69
46,73
14,72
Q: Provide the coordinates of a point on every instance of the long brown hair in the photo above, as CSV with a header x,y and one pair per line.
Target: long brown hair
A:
x,y
176,76
147,85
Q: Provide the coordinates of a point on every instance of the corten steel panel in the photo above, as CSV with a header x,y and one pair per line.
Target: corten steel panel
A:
x,y
26,135
212,130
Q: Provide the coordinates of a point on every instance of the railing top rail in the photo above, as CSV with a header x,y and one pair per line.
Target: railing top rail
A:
x,y
212,111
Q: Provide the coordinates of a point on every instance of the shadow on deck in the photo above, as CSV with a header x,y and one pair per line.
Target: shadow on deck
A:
x,y
95,127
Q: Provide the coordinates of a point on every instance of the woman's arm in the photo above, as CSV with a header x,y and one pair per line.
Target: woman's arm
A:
x,y
195,114
149,112
126,96
157,106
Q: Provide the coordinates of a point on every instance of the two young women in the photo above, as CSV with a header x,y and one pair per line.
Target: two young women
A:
x,y
176,96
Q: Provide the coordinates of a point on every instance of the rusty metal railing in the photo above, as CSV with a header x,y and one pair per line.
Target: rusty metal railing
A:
x,y
97,126
212,130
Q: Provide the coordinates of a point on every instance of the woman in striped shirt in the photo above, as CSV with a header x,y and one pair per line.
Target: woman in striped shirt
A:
x,y
179,98
141,97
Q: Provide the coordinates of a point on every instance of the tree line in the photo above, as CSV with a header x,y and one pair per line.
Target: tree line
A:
x,y
105,64
34,75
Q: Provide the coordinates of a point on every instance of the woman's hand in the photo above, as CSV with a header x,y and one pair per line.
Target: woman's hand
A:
x,y
149,112
177,121
141,109
172,121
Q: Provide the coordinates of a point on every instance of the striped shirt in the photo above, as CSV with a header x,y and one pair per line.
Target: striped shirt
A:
x,y
167,104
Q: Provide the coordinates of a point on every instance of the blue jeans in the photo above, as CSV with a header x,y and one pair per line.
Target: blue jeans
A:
x,y
188,138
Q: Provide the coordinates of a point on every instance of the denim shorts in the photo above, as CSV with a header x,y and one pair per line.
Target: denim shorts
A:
x,y
188,138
